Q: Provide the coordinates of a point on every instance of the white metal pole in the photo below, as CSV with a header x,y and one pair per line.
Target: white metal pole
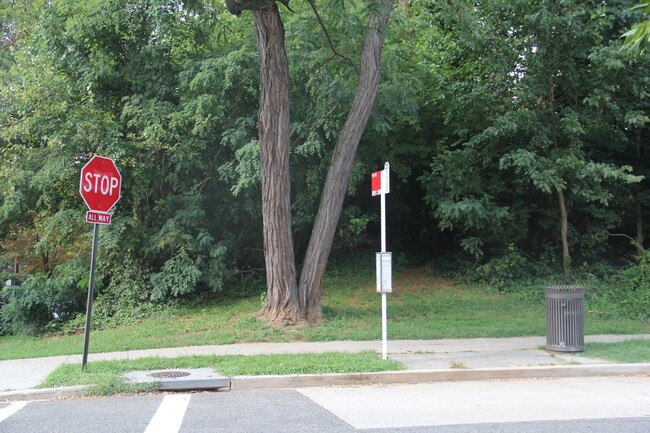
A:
x,y
384,326
384,301
383,223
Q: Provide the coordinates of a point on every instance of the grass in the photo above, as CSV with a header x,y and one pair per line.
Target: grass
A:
x,y
106,376
629,351
421,307
457,365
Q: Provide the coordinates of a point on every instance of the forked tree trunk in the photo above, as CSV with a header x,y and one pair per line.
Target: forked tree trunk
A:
x,y
282,302
338,175
285,304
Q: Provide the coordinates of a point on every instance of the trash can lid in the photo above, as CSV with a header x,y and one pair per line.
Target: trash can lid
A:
x,y
565,289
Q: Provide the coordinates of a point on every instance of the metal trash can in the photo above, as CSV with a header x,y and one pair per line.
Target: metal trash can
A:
x,y
565,318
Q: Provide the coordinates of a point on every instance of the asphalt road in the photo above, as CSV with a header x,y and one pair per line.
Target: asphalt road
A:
x,y
594,405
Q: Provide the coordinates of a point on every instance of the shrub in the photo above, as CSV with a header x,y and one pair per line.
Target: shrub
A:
x,y
510,272
42,303
627,292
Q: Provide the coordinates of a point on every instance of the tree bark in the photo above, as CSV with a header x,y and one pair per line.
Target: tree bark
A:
x,y
640,229
338,175
564,222
282,301
640,232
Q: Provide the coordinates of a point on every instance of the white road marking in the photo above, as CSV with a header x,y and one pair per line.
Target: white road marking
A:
x,y
448,403
11,409
170,413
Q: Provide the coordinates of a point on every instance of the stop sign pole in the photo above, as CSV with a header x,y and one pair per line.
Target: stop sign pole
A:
x,y
100,187
91,294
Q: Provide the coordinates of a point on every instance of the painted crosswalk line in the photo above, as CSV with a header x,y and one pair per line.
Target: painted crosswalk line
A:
x,y
169,416
11,409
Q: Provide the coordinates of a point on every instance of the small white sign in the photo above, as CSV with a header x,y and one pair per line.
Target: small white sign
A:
x,y
384,273
98,217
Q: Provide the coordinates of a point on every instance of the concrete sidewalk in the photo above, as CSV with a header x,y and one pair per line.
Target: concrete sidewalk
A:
x,y
424,360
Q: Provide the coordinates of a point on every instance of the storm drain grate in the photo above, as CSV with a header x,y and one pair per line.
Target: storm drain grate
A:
x,y
177,380
169,374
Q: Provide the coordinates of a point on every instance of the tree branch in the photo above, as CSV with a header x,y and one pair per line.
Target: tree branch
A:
x,y
312,3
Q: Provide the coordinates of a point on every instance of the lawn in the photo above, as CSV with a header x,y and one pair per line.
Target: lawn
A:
x,y
629,351
422,306
106,376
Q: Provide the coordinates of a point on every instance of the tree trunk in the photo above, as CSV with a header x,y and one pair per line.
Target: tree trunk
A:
x,y
282,302
285,304
640,232
564,222
338,175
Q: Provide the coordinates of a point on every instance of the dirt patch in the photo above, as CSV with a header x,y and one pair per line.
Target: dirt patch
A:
x,y
418,280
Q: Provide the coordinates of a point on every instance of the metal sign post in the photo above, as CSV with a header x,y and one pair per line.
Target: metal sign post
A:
x,y
381,186
91,289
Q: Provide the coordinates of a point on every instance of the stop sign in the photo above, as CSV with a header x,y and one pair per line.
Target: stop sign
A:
x,y
100,184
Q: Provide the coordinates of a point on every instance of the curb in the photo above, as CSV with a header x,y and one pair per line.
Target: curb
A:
x,y
249,383
45,393
242,383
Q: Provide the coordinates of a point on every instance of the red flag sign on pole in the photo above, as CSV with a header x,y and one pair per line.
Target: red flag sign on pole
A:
x,y
380,183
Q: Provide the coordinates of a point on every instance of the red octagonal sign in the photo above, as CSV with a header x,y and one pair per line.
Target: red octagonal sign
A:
x,y
100,184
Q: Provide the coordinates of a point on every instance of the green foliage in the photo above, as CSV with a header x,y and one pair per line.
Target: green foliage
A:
x,y
613,292
148,85
513,272
636,39
353,228
558,104
485,110
44,303
628,291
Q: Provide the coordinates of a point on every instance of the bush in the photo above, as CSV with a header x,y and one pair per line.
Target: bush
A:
x,y
615,292
627,292
43,303
511,272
